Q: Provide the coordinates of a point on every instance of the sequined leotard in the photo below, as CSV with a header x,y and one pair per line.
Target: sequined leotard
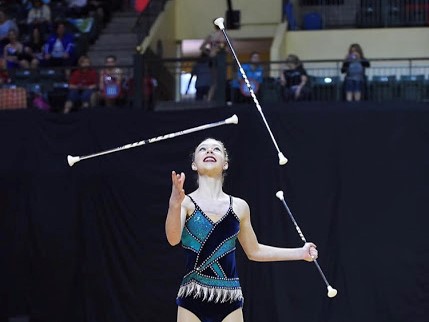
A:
x,y
210,288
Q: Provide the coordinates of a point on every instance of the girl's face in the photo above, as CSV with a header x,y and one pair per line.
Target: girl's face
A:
x,y
354,51
210,155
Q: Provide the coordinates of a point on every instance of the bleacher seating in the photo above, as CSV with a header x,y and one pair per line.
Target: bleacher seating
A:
x,y
411,87
383,88
325,88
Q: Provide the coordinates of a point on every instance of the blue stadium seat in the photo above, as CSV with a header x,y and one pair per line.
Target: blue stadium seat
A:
x,y
383,88
325,88
411,87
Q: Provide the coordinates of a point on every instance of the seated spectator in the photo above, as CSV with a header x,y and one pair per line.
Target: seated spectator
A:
x,y
38,99
110,82
33,49
6,24
77,8
25,7
82,85
13,51
294,80
101,8
59,48
39,16
354,67
255,73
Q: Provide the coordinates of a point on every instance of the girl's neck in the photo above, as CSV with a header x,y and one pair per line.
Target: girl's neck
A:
x,y
209,188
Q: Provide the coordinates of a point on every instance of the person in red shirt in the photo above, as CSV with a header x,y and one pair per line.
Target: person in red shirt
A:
x,y
82,85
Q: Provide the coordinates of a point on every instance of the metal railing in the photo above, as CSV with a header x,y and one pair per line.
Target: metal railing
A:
x,y
386,79
168,82
334,14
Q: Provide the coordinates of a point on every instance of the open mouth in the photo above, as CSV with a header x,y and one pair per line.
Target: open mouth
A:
x,y
209,159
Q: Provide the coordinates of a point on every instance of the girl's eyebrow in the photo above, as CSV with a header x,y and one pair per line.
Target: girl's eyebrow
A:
x,y
217,145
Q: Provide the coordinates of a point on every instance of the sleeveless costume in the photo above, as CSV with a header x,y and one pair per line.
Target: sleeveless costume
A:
x,y
210,288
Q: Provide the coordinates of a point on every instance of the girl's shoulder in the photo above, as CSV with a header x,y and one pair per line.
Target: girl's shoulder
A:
x,y
188,205
240,207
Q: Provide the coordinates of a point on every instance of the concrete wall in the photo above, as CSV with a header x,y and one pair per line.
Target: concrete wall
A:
x,y
194,18
163,32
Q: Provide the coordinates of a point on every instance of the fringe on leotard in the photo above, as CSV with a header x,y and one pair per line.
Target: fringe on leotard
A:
x,y
210,294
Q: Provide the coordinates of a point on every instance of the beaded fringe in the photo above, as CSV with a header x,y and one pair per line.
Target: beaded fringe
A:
x,y
210,294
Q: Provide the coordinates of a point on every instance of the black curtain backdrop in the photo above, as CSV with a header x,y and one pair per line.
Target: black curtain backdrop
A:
x,y
86,243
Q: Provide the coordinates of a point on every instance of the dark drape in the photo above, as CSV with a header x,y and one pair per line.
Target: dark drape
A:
x,y
86,243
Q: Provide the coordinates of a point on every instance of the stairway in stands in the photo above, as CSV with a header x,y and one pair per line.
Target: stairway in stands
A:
x,y
117,38
125,31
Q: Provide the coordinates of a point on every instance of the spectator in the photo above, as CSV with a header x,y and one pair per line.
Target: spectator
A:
x,y
101,8
354,67
82,85
25,7
58,50
39,16
33,49
110,82
255,73
77,8
13,52
202,71
214,42
294,80
38,99
6,24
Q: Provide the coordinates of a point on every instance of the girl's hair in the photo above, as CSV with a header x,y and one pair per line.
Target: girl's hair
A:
x,y
357,48
293,59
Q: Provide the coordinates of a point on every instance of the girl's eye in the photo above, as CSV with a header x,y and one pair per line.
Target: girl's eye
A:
x,y
202,149
217,149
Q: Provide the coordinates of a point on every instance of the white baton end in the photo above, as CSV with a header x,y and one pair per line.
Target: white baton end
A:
x,y
232,120
72,160
219,22
282,159
280,195
332,292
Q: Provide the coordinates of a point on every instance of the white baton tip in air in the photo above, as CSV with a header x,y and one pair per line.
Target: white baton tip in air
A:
x,y
219,22
332,292
232,120
280,195
72,160
282,159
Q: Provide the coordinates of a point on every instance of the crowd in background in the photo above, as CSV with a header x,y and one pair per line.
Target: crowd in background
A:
x,y
47,37
39,34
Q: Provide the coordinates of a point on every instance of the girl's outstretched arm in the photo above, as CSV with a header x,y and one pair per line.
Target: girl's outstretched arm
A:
x,y
264,253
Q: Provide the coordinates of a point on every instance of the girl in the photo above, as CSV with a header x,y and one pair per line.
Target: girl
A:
x,y
207,222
